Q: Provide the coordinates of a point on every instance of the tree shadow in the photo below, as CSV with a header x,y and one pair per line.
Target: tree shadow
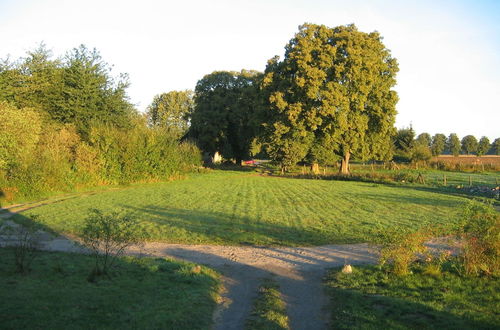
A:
x,y
355,309
220,228
140,293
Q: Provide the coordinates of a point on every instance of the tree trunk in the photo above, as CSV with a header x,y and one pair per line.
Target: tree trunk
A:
x,y
344,164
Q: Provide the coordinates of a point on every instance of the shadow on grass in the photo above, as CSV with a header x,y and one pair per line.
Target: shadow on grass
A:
x,y
353,309
219,228
141,293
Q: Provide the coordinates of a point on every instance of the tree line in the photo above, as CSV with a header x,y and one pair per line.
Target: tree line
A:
x,y
410,147
67,123
330,99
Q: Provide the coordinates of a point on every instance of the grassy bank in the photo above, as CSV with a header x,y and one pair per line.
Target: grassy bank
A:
x,y
371,298
141,293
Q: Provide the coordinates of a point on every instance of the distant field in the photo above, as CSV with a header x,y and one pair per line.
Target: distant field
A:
x,y
232,208
468,159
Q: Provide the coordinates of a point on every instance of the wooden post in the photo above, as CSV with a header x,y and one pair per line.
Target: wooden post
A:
x,y
496,182
444,179
470,181
420,178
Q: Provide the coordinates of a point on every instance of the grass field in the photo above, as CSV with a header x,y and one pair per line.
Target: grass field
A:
x,y
269,310
369,298
141,294
224,207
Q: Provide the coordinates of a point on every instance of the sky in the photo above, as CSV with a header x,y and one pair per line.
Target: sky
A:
x,y
448,51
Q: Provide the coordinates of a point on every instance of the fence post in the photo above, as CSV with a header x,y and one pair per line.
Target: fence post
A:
x,y
470,181
444,179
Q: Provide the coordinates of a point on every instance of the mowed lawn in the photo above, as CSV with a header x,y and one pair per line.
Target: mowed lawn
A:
x,y
224,207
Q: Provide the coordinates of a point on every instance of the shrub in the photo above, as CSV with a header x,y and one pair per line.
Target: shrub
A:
x,y
480,232
25,242
401,248
107,235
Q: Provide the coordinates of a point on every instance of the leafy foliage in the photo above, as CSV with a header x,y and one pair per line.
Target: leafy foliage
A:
x,y
107,235
483,146
496,146
171,111
481,233
225,117
453,144
424,139
401,248
438,144
77,88
336,85
469,144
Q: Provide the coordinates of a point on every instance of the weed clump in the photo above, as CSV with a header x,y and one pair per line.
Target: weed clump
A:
x,y
401,248
480,233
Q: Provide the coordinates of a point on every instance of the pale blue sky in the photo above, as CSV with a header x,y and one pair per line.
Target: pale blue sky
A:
x,y
449,51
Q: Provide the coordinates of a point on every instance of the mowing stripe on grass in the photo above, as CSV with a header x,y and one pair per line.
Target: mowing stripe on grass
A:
x,y
225,207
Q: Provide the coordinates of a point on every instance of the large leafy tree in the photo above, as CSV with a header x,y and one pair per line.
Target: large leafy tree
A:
x,y
336,85
404,140
453,144
483,146
171,111
424,139
33,81
90,93
438,144
469,144
77,89
496,146
225,116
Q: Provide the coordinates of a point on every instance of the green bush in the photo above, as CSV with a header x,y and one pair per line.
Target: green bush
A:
x,y
401,248
480,232
107,235
41,157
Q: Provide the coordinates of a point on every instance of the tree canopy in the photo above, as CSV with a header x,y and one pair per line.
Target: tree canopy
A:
x,y
225,116
77,88
496,146
483,146
438,144
424,139
469,144
171,111
333,88
453,144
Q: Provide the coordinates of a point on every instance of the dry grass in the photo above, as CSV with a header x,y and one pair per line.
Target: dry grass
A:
x,y
468,159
